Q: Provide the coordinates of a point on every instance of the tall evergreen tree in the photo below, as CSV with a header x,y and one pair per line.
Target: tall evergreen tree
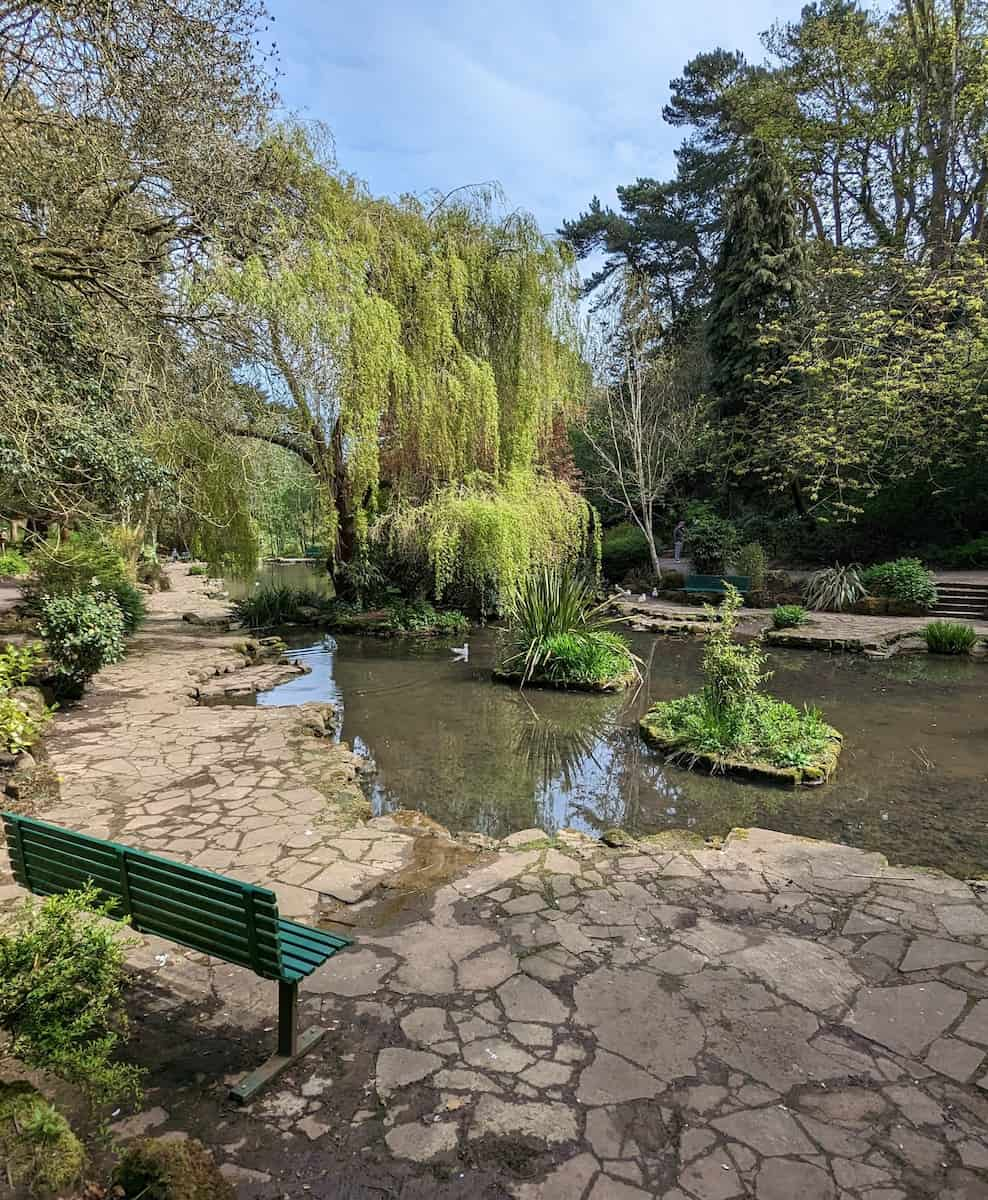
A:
x,y
758,283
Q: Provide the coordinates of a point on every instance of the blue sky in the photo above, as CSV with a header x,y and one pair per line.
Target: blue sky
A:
x,y
554,101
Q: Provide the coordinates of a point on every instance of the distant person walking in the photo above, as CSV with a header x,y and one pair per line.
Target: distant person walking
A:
x,y
678,537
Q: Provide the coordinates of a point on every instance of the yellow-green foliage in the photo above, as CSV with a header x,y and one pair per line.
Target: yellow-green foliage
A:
x,y
484,539
37,1146
442,337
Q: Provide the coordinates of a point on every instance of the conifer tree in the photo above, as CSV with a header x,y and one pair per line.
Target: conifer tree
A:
x,y
758,284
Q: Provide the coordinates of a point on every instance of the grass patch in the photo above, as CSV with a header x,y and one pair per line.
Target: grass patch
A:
x,y
949,637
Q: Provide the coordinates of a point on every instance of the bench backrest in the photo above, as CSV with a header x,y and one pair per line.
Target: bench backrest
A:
x,y
222,917
715,583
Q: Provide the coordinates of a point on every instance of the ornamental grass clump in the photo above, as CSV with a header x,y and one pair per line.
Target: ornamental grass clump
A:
x,y
949,637
276,604
834,589
557,633
731,723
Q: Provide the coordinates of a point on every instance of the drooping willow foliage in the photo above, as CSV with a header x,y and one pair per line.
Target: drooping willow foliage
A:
x,y
404,349
480,538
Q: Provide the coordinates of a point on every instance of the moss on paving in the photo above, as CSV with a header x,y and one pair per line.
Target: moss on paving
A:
x,y
37,1146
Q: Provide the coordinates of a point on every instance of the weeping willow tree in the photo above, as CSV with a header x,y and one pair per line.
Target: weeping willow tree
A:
x,y
416,357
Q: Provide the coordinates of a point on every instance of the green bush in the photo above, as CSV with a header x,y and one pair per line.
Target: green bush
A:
x,y
85,561
949,637
419,616
789,616
12,562
673,581
711,542
622,549
198,570
751,561
732,672
37,1146
834,589
61,992
276,604
21,722
165,1169
906,580
83,633
969,554
552,604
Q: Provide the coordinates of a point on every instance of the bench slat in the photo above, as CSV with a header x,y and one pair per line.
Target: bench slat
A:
x,y
321,938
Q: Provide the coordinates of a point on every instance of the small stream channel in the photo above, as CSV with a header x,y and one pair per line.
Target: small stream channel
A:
x,y
480,756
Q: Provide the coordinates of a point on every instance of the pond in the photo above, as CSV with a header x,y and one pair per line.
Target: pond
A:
x,y
484,757
296,573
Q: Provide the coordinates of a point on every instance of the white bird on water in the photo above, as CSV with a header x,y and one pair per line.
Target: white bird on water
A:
x,y
461,653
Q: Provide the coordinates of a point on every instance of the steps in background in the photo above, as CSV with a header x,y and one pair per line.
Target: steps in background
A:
x,y
961,602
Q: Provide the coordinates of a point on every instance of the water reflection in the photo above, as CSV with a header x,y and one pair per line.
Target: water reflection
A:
x,y
484,757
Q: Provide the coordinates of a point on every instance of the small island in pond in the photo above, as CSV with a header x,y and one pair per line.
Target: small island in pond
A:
x,y
557,637
734,728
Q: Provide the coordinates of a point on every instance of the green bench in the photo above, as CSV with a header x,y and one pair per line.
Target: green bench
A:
x,y
715,583
236,922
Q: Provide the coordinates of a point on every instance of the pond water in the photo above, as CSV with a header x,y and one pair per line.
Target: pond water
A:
x,y
484,757
281,574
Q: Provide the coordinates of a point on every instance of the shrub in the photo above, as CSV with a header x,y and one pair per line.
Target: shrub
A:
x,y
905,580
550,604
83,633
276,604
834,589
198,570
12,562
21,721
969,554
949,637
622,549
751,561
640,580
83,562
711,542
160,1169
419,616
789,616
61,987
37,1146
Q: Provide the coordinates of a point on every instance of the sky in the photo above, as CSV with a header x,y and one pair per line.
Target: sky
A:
x,y
556,102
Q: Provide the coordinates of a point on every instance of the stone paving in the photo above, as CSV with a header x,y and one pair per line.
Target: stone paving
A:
x,y
779,1019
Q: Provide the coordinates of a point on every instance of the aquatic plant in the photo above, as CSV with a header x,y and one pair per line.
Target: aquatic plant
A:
x,y
276,604
556,628
949,637
834,589
419,616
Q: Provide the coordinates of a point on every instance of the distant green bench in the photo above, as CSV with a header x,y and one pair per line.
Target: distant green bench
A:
x,y
222,917
715,583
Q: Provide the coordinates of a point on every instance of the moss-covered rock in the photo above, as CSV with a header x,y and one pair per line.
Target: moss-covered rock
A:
x,y
37,1146
160,1169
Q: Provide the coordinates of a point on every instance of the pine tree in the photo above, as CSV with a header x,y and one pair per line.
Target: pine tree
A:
x,y
758,283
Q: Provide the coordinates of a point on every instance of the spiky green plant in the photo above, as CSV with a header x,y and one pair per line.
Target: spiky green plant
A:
x,y
548,605
834,589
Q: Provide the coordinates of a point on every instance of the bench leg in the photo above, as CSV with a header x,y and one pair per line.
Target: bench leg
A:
x,y
291,1046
